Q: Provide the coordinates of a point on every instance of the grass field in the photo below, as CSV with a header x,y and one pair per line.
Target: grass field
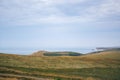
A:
x,y
98,66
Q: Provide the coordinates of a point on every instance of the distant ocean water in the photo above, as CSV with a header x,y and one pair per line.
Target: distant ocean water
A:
x,y
25,51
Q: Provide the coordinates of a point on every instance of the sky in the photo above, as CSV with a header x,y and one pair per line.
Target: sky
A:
x,y
55,24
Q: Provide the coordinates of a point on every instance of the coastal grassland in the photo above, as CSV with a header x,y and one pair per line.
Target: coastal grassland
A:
x,y
112,54
88,67
56,62
66,74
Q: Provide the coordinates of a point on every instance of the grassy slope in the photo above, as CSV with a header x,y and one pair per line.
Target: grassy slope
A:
x,y
113,54
46,53
103,66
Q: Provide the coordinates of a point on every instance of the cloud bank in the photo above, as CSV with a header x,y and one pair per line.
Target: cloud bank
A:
x,y
59,23
30,12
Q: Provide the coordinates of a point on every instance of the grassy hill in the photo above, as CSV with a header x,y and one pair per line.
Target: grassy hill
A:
x,y
98,66
107,54
46,53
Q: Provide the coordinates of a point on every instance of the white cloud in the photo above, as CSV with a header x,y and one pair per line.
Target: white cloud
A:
x,y
28,12
58,2
107,8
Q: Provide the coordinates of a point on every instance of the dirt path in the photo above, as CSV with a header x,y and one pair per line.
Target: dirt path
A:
x,y
30,77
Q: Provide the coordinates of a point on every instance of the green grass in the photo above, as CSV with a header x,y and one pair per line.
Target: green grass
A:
x,y
56,62
86,67
100,73
62,54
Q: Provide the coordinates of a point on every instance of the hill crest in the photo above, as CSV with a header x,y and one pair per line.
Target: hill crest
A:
x,y
57,53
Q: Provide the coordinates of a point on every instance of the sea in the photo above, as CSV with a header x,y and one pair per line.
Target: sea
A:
x,y
27,51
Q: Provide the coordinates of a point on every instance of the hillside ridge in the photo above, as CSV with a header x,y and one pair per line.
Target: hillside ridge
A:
x,y
55,53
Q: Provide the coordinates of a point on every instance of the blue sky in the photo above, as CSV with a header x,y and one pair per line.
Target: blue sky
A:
x,y
45,24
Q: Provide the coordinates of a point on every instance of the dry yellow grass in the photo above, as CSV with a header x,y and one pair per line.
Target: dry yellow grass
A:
x,y
50,65
38,53
86,61
8,78
104,55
